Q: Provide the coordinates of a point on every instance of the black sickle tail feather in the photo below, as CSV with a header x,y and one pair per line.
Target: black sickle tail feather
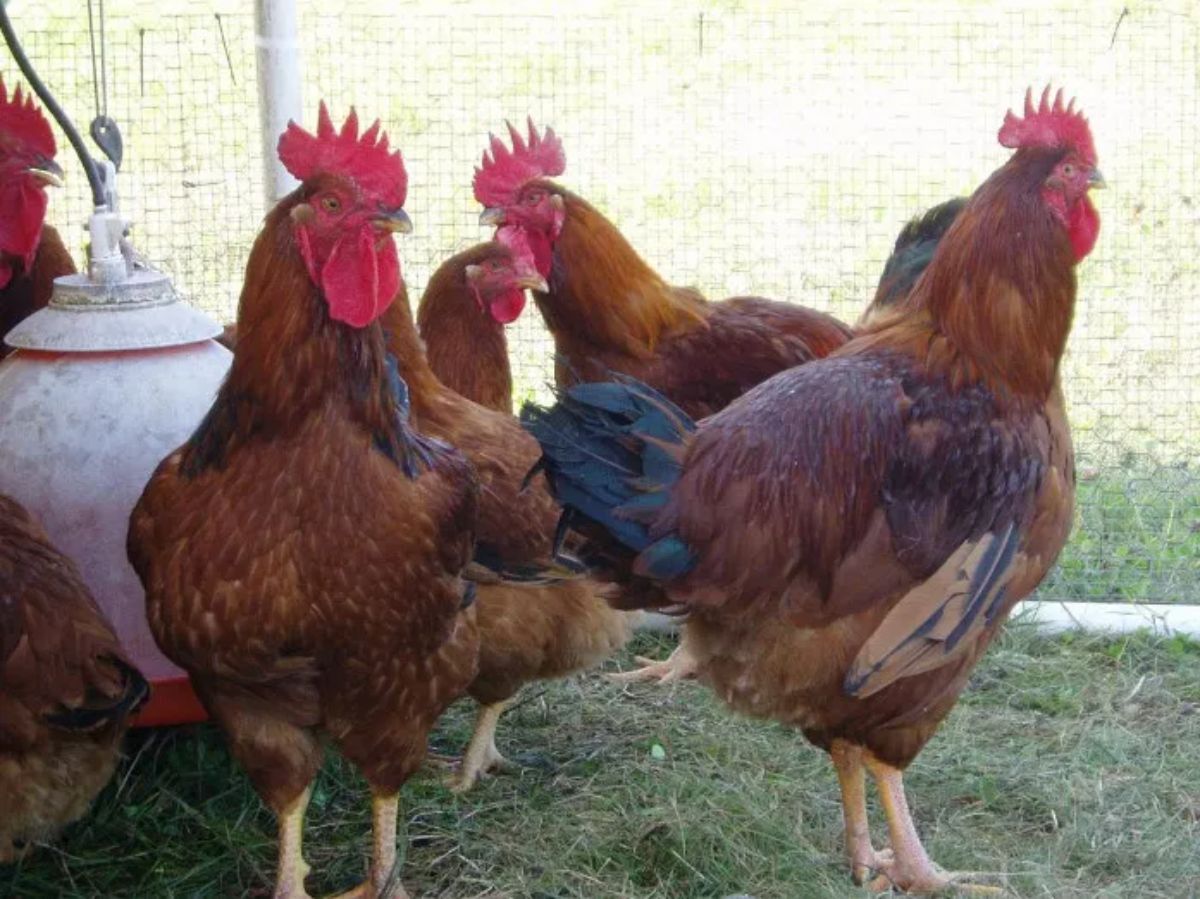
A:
x,y
611,452
98,711
914,249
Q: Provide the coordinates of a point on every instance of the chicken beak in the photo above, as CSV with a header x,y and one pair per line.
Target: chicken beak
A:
x,y
492,217
1096,180
533,281
396,222
48,172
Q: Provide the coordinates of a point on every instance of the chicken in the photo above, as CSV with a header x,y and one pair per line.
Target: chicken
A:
x,y
463,329
32,254
610,312
302,551
67,691
893,501
554,625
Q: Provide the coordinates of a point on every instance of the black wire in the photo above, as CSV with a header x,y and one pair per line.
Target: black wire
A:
x,y
99,198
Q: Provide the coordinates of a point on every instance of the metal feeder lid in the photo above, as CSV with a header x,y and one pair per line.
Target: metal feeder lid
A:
x,y
140,312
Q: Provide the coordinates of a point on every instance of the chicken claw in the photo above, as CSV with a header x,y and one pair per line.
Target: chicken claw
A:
x,y
907,867
680,665
895,875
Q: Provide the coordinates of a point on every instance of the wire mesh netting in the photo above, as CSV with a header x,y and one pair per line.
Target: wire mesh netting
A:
x,y
769,152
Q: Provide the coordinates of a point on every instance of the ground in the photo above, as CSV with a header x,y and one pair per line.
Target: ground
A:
x,y
1068,770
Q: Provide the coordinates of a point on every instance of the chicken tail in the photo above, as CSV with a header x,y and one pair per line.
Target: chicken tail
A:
x,y
913,252
99,709
611,452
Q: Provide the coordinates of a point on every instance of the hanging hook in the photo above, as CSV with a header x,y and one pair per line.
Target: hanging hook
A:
x,y
107,136
99,196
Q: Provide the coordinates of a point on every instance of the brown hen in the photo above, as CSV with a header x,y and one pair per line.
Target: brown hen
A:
x,y
67,691
301,553
553,624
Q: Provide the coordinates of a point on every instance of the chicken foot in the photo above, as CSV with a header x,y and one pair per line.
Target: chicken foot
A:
x,y
482,755
908,866
380,883
680,665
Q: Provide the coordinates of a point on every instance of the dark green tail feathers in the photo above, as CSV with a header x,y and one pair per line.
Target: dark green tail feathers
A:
x,y
611,452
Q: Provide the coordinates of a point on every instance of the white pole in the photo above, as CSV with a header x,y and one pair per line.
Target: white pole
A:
x,y
1053,616
278,52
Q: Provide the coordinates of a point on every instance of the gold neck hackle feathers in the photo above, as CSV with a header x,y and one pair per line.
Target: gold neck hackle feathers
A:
x,y
602,291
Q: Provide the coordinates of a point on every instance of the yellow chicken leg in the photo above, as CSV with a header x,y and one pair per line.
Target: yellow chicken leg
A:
x,y
482,755
679,665
909,867
292,869
865,862
381,884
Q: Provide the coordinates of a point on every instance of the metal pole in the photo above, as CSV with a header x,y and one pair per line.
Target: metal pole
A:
x,y
278,53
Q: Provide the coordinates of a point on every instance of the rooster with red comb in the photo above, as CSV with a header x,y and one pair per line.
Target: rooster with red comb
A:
x,y
32,254
302,552
889,504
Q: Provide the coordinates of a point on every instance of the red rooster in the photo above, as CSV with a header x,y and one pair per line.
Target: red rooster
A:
x,y
893,502
301,553
32,254
611,312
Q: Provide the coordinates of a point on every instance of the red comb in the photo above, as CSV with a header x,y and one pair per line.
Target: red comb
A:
x,y
23,124
1053,126
502,172
378,171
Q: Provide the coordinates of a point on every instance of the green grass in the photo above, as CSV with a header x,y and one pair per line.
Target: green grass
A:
x,y
1067,770
1136,538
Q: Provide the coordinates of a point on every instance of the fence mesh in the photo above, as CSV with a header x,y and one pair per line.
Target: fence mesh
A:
x,y
772,152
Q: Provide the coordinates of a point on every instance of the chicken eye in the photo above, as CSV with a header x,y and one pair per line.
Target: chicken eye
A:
x,y
331,204
1068,170
534,198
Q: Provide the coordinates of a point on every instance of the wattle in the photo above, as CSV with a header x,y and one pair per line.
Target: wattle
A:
x,y
507,307
1083,227
21,233
361,276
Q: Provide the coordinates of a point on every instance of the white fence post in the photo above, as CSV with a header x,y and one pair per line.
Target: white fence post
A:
x,y
278,52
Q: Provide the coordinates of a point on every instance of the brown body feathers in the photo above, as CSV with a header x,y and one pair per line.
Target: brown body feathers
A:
x,y
67,691
527,632
465,346
934,442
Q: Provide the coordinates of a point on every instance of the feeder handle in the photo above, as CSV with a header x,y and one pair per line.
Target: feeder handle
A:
x,y
99,197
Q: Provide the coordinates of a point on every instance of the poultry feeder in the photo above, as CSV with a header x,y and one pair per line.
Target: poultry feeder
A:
x,y
107,380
